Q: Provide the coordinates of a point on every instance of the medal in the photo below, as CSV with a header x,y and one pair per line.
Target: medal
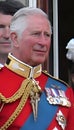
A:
x,y
55,128
56,96
61,120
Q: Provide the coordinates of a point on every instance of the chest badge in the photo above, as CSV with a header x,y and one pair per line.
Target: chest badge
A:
x,y
61,120
57,97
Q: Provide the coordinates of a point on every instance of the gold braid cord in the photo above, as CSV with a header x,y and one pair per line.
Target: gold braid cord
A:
x,y
16,96
24,91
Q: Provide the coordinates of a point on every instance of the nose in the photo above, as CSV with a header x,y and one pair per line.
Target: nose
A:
x,y
6,32
43,39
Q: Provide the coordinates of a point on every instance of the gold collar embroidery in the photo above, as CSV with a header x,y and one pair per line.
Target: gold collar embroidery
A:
x,y
23,69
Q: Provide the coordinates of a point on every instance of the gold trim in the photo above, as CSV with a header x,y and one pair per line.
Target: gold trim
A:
x,y
27,84
23,69
66,84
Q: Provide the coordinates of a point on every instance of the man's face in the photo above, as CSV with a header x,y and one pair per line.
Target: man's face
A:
x,y
34,43
5,45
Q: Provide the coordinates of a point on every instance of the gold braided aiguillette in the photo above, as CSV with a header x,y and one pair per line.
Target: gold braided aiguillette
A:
x,y
24,91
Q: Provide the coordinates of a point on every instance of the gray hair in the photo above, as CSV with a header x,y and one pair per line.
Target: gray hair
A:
x,y
19,20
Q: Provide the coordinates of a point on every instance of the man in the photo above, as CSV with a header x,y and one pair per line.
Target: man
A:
x,y
7,9
30,98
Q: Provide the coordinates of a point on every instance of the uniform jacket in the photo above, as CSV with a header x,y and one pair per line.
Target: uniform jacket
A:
x,y
55,108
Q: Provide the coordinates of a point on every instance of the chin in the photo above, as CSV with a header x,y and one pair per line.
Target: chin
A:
x,y
39,62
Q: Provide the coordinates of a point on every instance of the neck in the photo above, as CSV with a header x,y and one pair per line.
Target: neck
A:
x,y
3,58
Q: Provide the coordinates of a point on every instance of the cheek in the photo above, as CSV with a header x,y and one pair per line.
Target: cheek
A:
x,y
25,47
49,44
1,33
28,43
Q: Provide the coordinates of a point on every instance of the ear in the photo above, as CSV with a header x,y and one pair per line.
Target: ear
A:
x,y
14,38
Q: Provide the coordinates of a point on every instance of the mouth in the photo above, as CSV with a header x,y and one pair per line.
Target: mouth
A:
x,y
40,52
5,42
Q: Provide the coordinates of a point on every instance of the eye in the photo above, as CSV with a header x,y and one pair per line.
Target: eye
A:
x,y
2,26
47,34
36,33
9,26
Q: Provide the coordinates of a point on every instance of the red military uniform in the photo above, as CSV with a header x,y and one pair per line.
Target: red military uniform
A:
x,y
50,108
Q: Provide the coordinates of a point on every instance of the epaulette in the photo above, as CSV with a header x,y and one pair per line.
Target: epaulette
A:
x,y
46,73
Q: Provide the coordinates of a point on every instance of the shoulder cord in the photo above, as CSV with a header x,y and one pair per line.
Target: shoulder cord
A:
x,y
26,87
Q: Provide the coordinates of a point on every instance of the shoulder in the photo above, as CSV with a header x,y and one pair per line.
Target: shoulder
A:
x,y
55,80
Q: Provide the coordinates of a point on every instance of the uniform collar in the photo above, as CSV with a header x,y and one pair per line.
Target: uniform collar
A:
x,y
23,69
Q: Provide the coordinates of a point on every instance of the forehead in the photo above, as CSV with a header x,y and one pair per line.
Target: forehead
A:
x,y
37,18
38,21
5,19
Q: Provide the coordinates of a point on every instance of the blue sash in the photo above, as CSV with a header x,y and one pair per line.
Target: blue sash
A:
x,y
46,111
